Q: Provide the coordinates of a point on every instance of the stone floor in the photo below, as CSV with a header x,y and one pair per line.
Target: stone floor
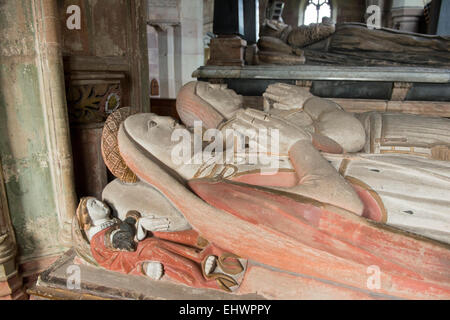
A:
x,y
99,284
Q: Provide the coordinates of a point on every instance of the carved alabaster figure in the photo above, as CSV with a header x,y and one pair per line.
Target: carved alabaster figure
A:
x,y
371,132
317,179
331,128
421,207
126,247
292,235
423,210
352,44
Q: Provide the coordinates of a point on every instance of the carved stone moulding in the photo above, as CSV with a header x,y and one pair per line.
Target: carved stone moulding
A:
x,y
10,279
92,96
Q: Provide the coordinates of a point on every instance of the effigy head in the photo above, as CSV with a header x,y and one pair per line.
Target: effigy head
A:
x,y
212,104
90,210
155,134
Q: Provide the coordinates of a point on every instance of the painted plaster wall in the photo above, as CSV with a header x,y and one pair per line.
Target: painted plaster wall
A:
x,y
112,38
23,143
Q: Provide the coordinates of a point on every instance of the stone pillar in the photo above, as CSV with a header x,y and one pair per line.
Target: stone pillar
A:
x,y
51,78
10,279
443,28
166,47
229,17
406,14
153,54
189,41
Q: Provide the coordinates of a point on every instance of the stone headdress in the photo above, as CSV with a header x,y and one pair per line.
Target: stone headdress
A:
x,y
110,147
80,224
191,107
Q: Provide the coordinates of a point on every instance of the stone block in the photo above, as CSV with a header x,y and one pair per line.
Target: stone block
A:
x,y
227,51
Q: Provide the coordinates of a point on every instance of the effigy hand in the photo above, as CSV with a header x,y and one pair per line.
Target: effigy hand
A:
x,y
151,224
287,97
254,120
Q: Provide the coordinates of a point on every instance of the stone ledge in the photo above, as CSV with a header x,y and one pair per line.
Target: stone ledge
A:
x,y
100,284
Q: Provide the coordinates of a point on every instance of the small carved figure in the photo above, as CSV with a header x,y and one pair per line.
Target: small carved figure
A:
x,y
184,257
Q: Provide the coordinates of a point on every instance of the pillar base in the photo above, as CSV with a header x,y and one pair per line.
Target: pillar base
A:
x,y
12,289
406,19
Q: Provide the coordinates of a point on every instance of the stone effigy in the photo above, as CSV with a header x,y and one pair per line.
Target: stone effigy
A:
x,y
317,210
371,132
350,44
183,256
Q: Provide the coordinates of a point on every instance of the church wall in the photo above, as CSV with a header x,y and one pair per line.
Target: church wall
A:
x,y
24,149
112,38
180,29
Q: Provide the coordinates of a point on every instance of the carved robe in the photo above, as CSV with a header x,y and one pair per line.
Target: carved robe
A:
x,y
179,252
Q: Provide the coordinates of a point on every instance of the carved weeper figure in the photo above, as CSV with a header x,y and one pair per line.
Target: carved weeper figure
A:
x,y
185,257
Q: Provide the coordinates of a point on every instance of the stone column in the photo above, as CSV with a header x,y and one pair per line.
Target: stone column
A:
x,y
51,78
406,14
10,279
189,50
443,28
166,47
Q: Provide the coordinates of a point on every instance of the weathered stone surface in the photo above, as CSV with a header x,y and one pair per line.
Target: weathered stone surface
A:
x,y
98,283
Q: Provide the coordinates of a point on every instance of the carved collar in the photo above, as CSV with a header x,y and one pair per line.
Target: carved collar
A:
x,y
105,225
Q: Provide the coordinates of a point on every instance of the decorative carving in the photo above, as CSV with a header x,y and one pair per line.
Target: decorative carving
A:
x,y
93,96
93,103
110,150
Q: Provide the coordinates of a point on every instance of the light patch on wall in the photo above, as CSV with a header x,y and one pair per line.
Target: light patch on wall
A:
x,y
38,237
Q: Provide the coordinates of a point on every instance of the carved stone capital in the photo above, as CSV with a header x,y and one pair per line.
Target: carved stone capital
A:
x,y
7,248
163,26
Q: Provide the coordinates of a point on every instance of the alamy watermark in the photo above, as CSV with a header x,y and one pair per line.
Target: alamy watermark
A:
x,y
73,22
73,273
229,147
374,17
374,279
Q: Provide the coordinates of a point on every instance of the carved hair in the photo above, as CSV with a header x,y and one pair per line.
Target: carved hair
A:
x,y
84,219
